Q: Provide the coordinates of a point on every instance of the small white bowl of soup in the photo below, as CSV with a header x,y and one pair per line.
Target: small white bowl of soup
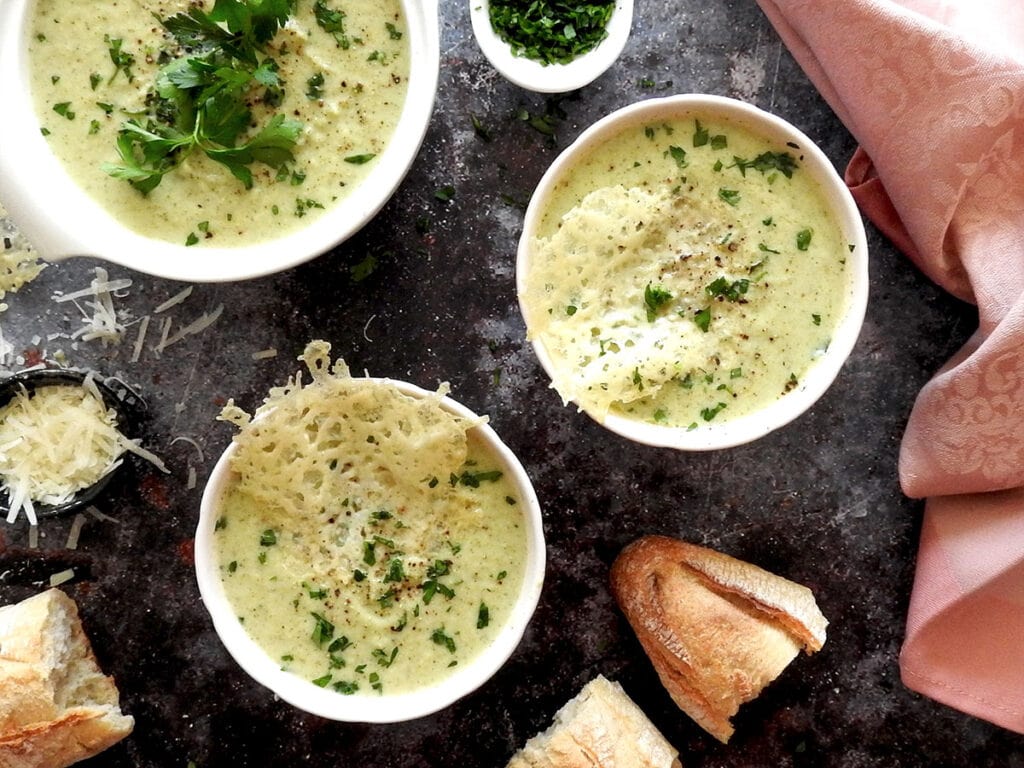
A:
x,y
354,88
364,559
693,272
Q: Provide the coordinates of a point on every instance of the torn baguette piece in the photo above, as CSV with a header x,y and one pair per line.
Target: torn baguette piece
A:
x,y
717,629
601,727
56,706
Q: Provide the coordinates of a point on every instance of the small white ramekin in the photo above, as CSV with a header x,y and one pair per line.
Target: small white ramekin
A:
x,y
813,384
372,707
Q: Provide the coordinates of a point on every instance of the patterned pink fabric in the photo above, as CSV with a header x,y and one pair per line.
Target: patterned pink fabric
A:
x,y
934,92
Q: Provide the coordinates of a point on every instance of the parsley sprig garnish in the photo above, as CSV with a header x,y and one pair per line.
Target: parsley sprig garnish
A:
x,y
200,99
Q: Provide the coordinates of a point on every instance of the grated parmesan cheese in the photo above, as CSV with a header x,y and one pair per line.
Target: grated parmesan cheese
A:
x,y
55,441
62,577
102,321
100,515
19,264
174,300
140,339
76,530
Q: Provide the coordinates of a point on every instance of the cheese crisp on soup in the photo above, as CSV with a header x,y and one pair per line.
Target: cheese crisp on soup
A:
x,y
685,273
371,543
293,124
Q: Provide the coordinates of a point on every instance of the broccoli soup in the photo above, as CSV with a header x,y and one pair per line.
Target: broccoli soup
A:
x,y
220,125
685,272
372,542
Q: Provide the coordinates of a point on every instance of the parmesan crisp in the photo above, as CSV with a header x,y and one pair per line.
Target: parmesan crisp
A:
x,y
327,455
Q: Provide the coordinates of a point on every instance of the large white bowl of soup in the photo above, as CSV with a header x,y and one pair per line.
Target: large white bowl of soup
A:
x,y
122,140
368,550
693,272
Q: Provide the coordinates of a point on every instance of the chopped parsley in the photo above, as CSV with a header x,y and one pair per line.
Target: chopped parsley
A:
x,y
721,288
332,22
362,159
383,658
473,479
700,134
803,239
709,413
783,162
315,86
323,629
678,154
731,196
440,638
121,59
64,110
655,297
550,31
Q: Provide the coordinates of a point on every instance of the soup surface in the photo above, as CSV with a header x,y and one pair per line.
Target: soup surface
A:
x,y
95,66
685,272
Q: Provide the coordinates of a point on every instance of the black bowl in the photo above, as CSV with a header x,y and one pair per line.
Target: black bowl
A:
x,y
117,395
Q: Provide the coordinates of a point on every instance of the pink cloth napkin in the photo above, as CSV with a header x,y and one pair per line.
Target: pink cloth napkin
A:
x,y
933,90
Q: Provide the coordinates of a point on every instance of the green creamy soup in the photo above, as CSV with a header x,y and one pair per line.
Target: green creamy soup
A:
x,y
339,71
424,596
685,272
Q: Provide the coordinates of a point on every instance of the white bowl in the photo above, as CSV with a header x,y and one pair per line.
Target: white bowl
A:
x,y
60,220
814,383
372,707
551,78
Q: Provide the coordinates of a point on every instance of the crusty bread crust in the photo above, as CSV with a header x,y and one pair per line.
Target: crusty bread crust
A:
x,y
56,706
717,629
601,727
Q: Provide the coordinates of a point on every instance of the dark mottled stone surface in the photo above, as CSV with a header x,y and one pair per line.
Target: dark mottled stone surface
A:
x,y
817,501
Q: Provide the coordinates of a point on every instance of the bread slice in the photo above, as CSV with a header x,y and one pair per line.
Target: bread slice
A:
x,y
56,706
717,629
601,727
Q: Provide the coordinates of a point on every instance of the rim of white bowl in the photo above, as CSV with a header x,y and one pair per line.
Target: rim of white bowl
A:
x,y
552,78
821,374
373,707
61,220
